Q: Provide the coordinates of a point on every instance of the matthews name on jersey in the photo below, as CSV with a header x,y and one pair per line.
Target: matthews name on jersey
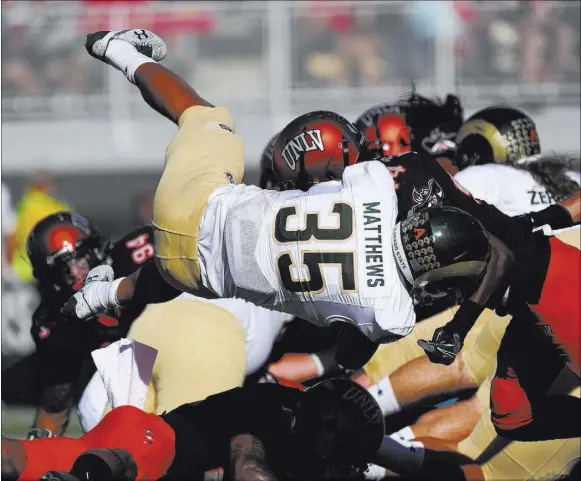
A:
x,y
323,255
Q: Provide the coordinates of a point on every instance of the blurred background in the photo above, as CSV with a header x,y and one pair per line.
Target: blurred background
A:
x,y
75,133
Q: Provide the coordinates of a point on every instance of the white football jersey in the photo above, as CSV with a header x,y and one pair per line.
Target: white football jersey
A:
x,y
512,191
323,255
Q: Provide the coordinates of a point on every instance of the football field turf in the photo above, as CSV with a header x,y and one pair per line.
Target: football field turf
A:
x,y
17,420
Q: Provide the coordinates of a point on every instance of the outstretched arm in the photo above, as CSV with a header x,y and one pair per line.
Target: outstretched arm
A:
x,y
449,339
559,216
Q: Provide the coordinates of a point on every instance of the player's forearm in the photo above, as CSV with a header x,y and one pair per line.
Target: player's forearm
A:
x,y
165,91
300,367
145,286
501,258
558,216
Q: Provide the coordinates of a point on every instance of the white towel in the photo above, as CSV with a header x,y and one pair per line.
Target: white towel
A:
x,y
125,367
92,404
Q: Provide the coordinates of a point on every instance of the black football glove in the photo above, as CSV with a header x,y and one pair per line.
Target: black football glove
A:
x,y
443,347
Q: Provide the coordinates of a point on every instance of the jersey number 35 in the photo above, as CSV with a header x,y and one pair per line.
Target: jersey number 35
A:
x,y
313,258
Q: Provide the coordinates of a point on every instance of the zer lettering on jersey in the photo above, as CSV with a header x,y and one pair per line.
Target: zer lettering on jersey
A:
x,y
541,198
304,142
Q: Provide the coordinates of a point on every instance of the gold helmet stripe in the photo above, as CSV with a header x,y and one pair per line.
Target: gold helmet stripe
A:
x,y
490,133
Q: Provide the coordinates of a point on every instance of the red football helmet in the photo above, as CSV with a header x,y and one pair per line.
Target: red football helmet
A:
x,y
313,148
415,124
62,249
390,135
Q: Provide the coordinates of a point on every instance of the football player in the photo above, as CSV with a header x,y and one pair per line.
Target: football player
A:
x,y
204,346
263,431
500,161
415,123
62,249
460,438
411,124
307,253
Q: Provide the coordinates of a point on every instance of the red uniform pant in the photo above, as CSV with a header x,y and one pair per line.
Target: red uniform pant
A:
x,y
536,347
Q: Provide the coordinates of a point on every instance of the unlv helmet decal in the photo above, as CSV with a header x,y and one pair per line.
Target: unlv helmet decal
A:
x,y
307,141
315,147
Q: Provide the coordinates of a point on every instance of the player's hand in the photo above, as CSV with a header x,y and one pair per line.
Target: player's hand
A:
x,y
295,367
443,347
145,42
98,295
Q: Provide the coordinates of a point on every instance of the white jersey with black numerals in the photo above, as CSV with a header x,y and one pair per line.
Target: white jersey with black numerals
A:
x,y
323,255
510,190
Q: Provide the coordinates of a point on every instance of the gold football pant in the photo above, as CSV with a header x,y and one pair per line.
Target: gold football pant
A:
x,y
204,154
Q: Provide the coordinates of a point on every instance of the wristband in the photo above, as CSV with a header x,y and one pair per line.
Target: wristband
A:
x,y
328,362
113,299
557,216
318,365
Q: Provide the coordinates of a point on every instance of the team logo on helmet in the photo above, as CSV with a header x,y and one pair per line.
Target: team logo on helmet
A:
x,y
306,141
429,196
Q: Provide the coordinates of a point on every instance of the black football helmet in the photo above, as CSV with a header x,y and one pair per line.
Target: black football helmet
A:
x,y
313,148
62,249
339,423
267,175
415,123
441,252
500,134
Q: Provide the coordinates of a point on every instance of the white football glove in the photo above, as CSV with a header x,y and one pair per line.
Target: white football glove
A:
x,y
98,295
145,42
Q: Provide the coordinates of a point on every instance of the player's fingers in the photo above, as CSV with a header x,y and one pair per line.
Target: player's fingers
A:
x,y
427,346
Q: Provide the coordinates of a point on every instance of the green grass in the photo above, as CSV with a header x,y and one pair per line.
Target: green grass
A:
x,y
17,420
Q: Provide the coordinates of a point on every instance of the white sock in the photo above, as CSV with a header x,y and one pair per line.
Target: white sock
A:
x,y
125,57
385,397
